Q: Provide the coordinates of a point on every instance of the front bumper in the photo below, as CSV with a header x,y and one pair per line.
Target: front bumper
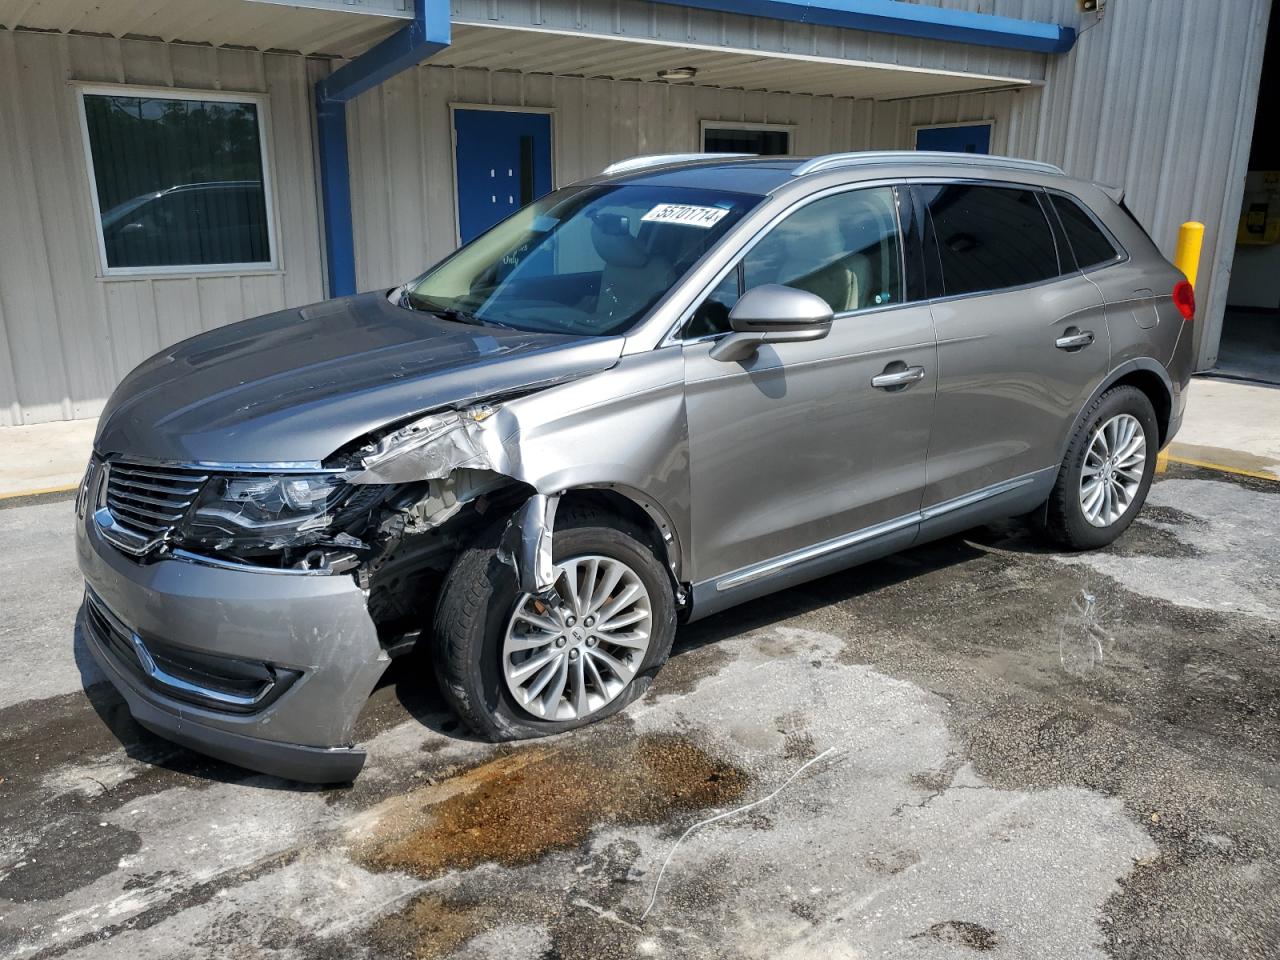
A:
x,y
310,636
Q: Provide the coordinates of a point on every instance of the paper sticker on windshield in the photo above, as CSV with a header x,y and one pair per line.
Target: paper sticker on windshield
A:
x,y
685,214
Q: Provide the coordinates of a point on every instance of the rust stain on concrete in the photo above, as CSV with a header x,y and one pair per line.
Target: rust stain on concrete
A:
x,y
518,807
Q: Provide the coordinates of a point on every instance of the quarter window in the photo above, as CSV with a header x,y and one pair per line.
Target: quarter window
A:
x,y
180,183
1090,244
989,238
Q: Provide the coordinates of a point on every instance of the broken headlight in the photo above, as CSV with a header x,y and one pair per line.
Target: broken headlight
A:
x,y
264,512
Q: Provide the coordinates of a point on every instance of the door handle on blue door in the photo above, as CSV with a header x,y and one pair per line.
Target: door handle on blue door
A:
x,y
904,377
1073,339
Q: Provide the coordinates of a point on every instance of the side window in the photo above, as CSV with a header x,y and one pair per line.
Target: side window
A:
x,y
845,248
989,238
1090,244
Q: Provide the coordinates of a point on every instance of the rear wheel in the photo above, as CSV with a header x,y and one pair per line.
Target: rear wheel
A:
x,y
1107,471
516,666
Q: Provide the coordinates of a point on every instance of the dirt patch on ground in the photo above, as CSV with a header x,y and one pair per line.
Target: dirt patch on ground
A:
x,y
963,932
518,807
431,926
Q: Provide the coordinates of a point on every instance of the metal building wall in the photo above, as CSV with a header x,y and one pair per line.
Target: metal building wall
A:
x,y
638,20
66,336
1159,97
402,154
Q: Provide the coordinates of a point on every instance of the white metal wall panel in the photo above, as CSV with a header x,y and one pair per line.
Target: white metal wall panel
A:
x,y
1159,98
639,20
67,337
401,140
333,28
402,153
530,51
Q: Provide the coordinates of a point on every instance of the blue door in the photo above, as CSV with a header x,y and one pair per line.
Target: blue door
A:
x,y
503,162
973,138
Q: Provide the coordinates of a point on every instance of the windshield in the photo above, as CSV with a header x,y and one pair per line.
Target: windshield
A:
x,y
583,260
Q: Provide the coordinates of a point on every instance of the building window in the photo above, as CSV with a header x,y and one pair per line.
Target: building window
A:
x,y
179,180
763,139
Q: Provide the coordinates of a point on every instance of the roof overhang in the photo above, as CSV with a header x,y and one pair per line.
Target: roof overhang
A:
x,y
323,27
537,50
345,28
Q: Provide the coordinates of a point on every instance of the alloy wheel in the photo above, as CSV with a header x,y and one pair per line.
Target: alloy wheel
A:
x,y
1114,463
569,661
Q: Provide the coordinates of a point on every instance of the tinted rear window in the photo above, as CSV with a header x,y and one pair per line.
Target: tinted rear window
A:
x,y
1090,244
990,238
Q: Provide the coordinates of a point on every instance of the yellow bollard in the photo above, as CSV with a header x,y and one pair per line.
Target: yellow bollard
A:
x,y
1190,240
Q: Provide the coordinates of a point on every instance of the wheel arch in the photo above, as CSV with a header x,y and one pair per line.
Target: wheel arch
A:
x,y
1144,373
643,512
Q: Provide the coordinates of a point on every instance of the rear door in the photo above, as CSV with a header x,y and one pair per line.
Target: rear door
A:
x,y
1022,335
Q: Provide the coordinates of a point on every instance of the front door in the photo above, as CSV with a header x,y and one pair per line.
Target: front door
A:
x,y
1022,337
503,161
797,447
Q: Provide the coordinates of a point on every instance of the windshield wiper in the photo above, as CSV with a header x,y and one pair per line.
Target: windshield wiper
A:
x,y
408,301
461,316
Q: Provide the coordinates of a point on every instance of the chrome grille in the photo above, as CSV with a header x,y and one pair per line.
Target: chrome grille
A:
x,y
149,499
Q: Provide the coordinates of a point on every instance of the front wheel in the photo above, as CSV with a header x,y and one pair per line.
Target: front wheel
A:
x,y
1107,472
515,666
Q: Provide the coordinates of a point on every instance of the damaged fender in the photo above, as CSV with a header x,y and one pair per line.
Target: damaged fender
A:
x,y
526,545
434,448
539,441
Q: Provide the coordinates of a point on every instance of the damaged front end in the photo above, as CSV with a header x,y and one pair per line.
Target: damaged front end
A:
x,y
287,591
392,510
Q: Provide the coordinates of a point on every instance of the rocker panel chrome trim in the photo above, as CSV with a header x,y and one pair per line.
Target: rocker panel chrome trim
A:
x,y
781,563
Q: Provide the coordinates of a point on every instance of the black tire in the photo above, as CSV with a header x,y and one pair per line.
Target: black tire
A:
x,y
1065,521
479,596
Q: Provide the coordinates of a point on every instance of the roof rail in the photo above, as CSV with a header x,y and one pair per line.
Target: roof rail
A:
x,y
835,160
658,159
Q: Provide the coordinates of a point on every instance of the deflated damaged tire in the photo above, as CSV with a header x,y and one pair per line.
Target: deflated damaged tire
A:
x,y
514,667
1105,476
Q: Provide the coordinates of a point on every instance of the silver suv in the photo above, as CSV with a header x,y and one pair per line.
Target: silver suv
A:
x,y
648,396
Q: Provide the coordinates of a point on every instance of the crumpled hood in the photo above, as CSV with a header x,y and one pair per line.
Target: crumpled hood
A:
x,y
298,384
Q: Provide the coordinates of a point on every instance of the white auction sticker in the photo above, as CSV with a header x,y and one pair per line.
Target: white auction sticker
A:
x,y
685,214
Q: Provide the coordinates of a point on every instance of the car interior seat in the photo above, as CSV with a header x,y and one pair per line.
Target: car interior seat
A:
x,y
632,273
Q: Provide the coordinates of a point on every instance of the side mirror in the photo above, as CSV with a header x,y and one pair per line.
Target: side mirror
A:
x,y
772,313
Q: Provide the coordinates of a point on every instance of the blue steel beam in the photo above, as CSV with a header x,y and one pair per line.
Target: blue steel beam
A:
x,y
427,33
905,20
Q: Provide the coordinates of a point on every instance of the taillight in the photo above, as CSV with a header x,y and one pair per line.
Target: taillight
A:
x,y
1184,298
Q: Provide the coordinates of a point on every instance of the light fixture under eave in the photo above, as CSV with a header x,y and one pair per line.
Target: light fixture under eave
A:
x,y
678,73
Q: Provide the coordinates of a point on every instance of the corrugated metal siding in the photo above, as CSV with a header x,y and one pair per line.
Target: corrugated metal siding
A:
x,y
402,153
260,26
1159,98
1156,97
535,51
67,337
663,22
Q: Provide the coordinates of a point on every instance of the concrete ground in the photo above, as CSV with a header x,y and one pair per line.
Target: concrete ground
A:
x,y
1233,424
44,456
975,747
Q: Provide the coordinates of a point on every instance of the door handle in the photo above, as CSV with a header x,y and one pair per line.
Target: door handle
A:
x,y
1074,339
898,378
